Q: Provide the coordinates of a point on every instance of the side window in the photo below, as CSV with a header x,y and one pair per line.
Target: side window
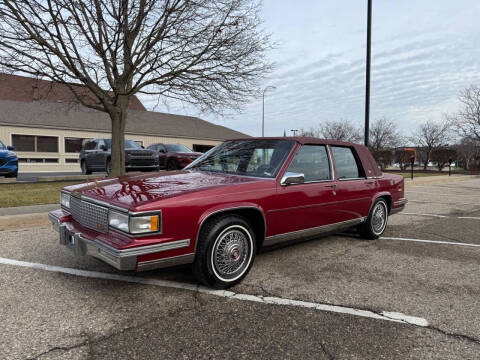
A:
x,y
100,143
90,145
312,161
346,163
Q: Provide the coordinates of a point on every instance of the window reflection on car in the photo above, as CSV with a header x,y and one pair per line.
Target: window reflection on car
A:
x,y
245,157
129,144
2,146
177,148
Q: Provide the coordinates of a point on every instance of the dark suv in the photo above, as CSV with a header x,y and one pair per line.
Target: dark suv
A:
x,y
174,156
96,156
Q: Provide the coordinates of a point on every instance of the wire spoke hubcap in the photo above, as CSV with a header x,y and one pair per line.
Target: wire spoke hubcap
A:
x,y
231,253
379,218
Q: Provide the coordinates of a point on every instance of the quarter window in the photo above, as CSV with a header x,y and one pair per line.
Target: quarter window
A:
x,y
313,162
346,163
90,145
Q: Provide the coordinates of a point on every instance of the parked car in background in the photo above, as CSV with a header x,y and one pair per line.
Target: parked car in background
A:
x,y
8,161
96,156
174,156
240,196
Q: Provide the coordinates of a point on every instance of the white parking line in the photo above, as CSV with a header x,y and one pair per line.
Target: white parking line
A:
x,y
430,241
441,216
384,315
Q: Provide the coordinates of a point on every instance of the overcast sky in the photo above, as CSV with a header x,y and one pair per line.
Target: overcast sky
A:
x,y
423,53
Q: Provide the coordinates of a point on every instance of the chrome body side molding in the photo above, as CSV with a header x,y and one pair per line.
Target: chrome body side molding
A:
x,y
163,263
319,230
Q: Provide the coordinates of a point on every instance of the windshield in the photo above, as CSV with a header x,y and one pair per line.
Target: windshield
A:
x,y
259,158
2,147
129,144
177,148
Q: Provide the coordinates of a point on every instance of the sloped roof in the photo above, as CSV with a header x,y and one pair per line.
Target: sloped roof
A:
x,y
45,114
26,89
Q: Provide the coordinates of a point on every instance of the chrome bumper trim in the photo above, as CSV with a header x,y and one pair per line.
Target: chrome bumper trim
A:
x,y
125,259
400,202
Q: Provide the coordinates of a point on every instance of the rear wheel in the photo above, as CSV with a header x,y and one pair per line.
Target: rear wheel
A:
x,y
225,252
376,222
85,170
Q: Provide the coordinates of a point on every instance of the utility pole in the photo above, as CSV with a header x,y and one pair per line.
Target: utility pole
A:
x,y
263,107
367,77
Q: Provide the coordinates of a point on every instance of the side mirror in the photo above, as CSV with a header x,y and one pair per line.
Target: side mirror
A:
x,y
103,147
11,148
161,150
290,178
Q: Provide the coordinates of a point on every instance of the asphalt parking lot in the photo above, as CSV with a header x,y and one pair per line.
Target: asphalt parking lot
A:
x,y
414,294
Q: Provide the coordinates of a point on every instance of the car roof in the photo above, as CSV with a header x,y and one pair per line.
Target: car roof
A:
x,y
303,140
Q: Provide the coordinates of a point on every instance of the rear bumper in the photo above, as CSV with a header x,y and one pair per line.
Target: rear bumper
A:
x,y
398,206
121,259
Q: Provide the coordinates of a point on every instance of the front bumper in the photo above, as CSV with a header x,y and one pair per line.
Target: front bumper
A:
x,y
124,259
9,167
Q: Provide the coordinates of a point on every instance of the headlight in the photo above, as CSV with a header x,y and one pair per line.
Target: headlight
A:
x,y
118,221
144,224
11,155
65,200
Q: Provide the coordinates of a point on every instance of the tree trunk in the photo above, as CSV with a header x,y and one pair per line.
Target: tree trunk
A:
x,y
118,118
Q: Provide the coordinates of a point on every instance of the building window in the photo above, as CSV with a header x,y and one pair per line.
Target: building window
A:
x,y
47,144
74,145
71,161
23,142
34,143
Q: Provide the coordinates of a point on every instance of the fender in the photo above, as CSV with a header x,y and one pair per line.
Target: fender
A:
x,y
224,208
380,194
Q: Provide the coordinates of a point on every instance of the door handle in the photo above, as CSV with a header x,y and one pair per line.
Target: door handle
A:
x,y
333,186
369,182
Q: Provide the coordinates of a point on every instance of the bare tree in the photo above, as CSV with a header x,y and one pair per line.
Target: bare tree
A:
x,y
210,53
402,156
467,121
467,150
340,130
442,155
384,135
429,136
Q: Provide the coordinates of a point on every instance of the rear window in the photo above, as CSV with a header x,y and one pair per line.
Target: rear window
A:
x,y
346,163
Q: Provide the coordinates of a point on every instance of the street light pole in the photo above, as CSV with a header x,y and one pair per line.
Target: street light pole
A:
x,y
367,77
263,107
294,131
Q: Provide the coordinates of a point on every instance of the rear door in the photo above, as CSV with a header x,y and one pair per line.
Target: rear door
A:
x,y
305,206
354,190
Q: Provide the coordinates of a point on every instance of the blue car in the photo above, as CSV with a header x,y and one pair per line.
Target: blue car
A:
x,y
8,161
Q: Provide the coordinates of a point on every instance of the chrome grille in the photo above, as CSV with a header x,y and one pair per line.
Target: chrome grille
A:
x,y
89,215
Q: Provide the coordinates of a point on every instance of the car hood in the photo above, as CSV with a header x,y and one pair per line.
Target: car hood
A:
x,y
133,190
4,153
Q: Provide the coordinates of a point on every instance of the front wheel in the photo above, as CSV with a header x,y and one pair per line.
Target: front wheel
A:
x,y
376,222
225,252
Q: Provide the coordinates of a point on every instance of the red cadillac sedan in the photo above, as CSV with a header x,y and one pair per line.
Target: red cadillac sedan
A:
x,y
221,209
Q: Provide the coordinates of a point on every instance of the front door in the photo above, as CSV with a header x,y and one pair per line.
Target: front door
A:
x,y
309,205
